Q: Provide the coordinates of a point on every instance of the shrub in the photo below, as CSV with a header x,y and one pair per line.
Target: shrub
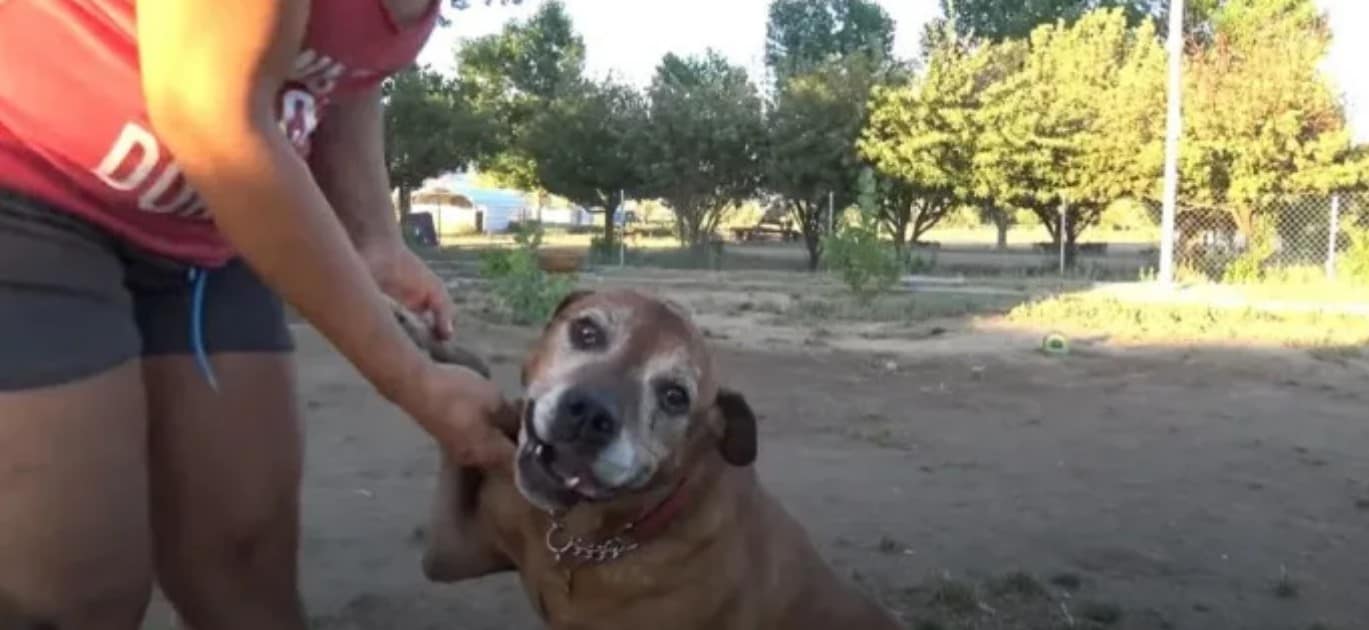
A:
x,y
1248,268
1354,263
866,264
518,282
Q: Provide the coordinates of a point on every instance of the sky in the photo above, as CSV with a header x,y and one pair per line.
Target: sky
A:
x,y
628,37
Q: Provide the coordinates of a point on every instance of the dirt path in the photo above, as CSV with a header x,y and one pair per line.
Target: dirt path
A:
x,y
1178,489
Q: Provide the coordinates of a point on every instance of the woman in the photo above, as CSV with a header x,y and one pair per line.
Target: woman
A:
x,y
147,413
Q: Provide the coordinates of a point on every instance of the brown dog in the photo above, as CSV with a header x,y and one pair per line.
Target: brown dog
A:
x,y
632,503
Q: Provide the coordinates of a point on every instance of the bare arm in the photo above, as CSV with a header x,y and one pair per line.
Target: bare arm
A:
x,y
211,75
348,161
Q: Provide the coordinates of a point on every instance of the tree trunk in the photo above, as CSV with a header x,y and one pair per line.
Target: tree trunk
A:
x,y
1071,245
812,221
609,228
1002,224
814,245
405,203
901,244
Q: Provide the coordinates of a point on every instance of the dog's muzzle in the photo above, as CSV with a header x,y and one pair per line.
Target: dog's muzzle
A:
x,y
573,442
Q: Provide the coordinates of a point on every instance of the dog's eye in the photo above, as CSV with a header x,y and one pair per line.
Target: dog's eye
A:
x,y
673,399
586,335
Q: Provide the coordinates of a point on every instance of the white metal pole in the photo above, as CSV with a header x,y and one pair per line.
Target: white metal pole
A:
x,y
622,234
1061,232
831,213
1173,134
1331,239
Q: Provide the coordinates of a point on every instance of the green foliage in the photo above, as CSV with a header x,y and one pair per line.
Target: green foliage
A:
x,y
1260,119
812,131
867,265
584,145
997,20
1353,265
520,285
703,144
1079,123
1249,266
430,128
1015,19
922,136
1091,314
511,76
802,36
826,55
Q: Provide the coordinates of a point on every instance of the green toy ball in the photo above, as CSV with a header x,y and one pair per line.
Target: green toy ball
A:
x,y
1055,343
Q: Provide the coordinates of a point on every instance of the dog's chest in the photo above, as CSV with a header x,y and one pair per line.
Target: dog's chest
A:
x,y
632,594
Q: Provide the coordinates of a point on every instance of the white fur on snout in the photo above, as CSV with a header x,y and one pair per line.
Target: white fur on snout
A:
x,y
618,463
544,411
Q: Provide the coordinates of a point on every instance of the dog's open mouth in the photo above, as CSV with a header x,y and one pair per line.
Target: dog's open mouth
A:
x,y
550,471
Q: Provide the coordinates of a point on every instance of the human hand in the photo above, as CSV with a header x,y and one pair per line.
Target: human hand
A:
x,y
460,409
403,276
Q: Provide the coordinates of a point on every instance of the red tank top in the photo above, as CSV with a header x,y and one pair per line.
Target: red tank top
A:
x,y
74,130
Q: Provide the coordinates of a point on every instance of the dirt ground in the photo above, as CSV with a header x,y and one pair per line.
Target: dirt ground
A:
x,y
953,470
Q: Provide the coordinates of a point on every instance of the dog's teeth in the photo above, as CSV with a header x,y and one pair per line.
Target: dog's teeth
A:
x,y
572,482
537,450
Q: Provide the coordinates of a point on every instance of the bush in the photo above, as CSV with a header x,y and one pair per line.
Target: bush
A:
x,y
1354,263
600,251
865,263
1248,268
519,284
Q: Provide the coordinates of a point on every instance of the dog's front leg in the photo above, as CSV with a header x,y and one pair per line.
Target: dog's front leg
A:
x,y
458,547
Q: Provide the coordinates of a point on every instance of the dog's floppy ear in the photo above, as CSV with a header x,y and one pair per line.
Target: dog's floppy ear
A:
x,y
738,441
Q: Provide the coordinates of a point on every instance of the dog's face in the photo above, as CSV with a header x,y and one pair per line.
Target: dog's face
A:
x,y
617,390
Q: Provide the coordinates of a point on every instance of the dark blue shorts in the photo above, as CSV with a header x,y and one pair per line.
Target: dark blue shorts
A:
x,y
75,301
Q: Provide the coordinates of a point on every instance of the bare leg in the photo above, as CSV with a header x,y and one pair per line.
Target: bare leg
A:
x,y
225,491
74,534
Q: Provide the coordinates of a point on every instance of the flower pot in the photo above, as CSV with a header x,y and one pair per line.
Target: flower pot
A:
x,y
560,260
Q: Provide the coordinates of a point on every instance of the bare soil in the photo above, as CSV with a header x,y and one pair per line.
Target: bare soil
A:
x,y
944,463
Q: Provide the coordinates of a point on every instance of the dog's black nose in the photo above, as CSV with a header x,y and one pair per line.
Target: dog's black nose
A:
x,y
585,417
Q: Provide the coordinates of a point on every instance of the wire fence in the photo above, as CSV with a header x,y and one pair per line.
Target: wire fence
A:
x,y
1295,239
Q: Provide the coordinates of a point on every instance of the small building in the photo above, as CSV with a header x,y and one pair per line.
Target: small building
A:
x,y
453,214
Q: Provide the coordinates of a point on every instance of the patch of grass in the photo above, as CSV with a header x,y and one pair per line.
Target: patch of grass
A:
x,y
1094,315
1337,354
882,437
955,596
1104,613
1068,581
1286,587
896,307
1018,584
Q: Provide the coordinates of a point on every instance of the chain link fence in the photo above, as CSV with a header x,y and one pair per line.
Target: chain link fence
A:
x,y
1294,239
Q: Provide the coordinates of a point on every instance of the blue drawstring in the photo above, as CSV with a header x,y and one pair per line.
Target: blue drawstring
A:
x,y
198,279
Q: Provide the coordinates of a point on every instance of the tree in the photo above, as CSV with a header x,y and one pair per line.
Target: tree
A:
x,y
702,141
922,136
802,35
826,55
811,159
429,128
1261,121
584,146
997,20
1078,125
512,75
